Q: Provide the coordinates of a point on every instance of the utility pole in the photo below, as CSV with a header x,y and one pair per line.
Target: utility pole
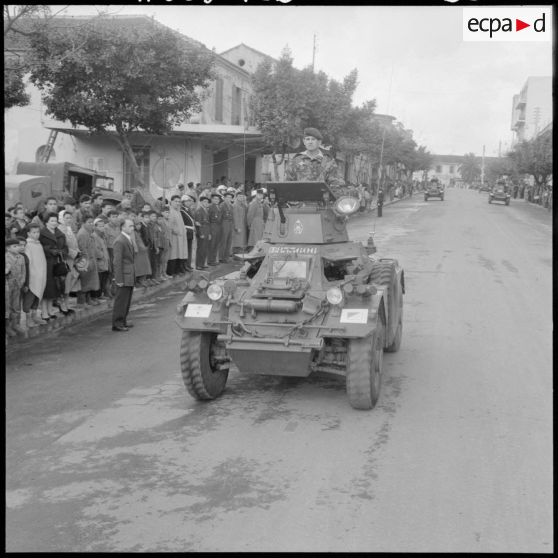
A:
x,y
314,53
499,149
482,166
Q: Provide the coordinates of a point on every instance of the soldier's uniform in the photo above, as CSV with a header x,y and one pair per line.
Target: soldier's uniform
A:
x,y
226,231
319,167
203,229
215,228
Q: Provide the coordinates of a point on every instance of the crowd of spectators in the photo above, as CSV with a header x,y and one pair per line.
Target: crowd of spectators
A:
x,y
60,256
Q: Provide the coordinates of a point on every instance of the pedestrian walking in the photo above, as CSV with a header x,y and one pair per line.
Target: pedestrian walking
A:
x,y
124,276
380,201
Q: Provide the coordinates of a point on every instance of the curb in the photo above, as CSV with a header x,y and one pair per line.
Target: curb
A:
x,y
91,312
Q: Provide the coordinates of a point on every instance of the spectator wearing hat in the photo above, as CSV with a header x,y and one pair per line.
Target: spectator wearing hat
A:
x,y
126,203
56,249
314,165
255,218
102,258
203,232
179,240
187,213
72,283
240,226
90,277
227,226
112,230
37,270
15,280
215,222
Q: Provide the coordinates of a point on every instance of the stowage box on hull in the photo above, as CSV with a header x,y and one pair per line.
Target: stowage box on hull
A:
x,y
272,362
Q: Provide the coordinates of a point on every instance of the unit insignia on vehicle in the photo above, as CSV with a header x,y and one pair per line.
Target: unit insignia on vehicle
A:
x,y
298,228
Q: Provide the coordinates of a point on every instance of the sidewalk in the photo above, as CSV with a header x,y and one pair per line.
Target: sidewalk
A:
x,y
86,312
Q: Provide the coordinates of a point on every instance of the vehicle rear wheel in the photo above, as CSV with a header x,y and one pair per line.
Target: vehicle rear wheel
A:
x,y
364,369
199,367
396,343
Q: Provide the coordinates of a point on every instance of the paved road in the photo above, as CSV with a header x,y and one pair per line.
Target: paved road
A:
x,y
106,452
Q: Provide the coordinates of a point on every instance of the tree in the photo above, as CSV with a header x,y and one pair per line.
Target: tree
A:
x,y
534,157
470,168
111,78
287,100
502,166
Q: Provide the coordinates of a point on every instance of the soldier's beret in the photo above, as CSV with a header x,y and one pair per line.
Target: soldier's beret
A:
x,y
231,194
204,198
259,191
314,132
216,195
191,184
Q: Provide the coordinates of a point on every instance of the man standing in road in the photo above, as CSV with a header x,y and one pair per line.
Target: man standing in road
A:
x,y
124,276
315,165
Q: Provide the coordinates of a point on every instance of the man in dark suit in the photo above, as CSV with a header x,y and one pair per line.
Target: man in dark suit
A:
x,y
124,276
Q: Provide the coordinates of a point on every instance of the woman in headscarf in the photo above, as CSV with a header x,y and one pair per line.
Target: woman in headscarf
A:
x,y
72,282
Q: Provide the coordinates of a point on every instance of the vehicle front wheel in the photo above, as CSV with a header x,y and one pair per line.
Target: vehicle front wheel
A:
x,y
364,369
201,366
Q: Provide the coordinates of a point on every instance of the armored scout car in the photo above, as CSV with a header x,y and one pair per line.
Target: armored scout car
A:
x,y
306,299
434,190
499,193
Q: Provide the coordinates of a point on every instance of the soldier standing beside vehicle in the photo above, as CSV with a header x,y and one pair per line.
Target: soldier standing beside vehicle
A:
x,y
314,165
203,232
215,220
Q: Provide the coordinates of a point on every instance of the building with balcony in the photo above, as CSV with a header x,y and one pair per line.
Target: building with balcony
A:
x,y
209,145
532,108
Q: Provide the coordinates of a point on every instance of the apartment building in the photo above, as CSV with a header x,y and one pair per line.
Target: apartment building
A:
x,y
532,108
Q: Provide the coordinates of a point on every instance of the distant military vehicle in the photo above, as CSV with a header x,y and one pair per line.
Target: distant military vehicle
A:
x,y
434,190
307,299
499,193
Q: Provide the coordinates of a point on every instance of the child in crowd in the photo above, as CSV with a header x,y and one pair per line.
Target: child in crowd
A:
x,y
102,258
15,276
36,276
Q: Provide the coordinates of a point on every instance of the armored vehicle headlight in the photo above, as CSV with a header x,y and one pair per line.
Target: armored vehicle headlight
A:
x,y
214,292
334,295
346,205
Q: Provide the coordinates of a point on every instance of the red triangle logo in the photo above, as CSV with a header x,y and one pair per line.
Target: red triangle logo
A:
x,y
519,25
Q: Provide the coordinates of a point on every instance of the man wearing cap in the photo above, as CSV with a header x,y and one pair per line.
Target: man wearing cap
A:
x,y
313,164
203,232
215,220
227,226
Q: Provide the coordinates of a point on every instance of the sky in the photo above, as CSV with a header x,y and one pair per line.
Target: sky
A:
x,y
455,96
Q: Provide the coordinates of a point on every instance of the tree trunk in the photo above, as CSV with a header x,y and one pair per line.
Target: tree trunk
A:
x,y
276,164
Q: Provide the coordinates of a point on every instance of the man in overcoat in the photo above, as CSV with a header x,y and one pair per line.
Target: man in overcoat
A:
x,y
203,232
179,239
124,276
215,221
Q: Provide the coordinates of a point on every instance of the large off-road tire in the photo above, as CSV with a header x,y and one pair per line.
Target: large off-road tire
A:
x,y
202,380
364,369
396,343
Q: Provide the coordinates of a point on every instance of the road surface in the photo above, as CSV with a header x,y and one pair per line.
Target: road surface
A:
x,y
106,451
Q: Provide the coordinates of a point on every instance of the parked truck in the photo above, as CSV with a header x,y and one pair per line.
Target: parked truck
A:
x,y
58,180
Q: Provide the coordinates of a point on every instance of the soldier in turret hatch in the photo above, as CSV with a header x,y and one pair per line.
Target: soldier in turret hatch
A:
x,y
315,165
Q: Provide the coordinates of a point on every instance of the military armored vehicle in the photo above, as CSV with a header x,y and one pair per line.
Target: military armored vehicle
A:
x,y
499,193
306,300
434,190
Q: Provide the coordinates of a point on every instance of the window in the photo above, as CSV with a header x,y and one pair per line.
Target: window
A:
x,y
219,100
236,108
438,169
452,169
142,159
